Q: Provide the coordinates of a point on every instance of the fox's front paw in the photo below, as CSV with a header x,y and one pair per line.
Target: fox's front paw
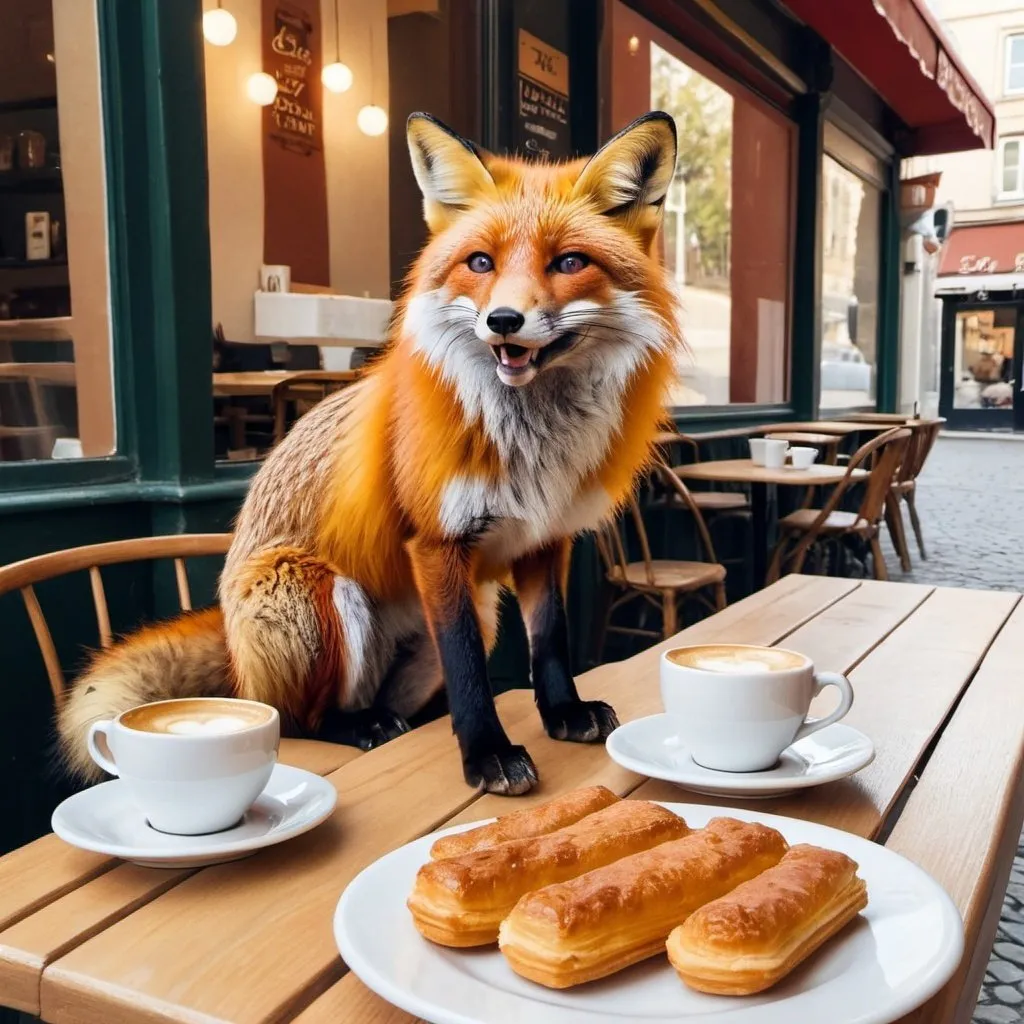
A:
x,y
582,721
363,729
510,772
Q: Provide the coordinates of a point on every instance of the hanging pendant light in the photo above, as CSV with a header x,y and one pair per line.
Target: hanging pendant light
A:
x,y
261,88
336,76
372,119
219,26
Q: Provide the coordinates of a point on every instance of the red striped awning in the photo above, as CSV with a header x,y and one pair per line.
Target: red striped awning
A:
x,y
899,48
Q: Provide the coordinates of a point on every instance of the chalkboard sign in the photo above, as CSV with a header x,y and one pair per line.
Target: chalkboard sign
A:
x,y
542,128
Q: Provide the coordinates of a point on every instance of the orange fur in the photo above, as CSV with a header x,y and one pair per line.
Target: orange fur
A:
x,y
395,503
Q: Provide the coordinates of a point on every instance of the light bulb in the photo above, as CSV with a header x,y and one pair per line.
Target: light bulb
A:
x,y
261,88
337,77
219,27
634,44
372,120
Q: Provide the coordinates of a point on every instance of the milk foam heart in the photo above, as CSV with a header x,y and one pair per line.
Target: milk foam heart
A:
x,y
207,727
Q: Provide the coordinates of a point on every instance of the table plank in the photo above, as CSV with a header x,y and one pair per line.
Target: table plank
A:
x,y
28,946
350,1000
967,843
48,868
169,960
940,644
632,686
54,896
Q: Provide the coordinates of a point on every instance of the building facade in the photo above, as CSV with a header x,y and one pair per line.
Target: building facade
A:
x,y
971,349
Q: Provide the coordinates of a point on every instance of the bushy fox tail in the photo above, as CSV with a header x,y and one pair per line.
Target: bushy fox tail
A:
x,y
185,657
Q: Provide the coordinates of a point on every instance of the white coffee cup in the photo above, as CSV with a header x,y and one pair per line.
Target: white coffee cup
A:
x,y
802,458
192,766
738,707
757,450
775,453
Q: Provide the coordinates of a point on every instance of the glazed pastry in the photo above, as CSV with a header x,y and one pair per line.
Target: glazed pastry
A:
x,y
527,823
753,937
460,901
600,922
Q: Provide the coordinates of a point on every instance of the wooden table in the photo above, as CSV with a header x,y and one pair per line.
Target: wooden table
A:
x,y
89,940
257,383
762,509
838,427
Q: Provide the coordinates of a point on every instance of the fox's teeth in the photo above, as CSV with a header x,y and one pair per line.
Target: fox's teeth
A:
x,y
533,354
504,356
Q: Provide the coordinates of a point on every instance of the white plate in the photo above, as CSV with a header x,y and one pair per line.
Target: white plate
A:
x,y
904,947
651,746
103,819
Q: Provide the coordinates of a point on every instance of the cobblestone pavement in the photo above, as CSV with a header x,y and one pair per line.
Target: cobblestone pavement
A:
x,y
970,499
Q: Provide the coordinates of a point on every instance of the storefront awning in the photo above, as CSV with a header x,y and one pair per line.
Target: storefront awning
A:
x,y
900,49
974,249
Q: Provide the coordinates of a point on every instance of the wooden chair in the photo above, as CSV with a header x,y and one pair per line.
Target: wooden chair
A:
x,y
802,529
924,434
710,502
661,583
304,390
24,575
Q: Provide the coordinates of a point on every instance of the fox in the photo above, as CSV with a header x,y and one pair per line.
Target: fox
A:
x,y
514,404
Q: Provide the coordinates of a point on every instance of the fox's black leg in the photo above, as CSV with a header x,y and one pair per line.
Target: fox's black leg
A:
x,y
540,581
443,573
364,729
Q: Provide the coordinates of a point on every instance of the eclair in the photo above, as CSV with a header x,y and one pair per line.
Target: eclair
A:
x,y
460,901
751,938
600,922
527,823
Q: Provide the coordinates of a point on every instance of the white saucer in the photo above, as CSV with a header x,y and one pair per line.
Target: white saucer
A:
x,y
103,819
651,747
903,948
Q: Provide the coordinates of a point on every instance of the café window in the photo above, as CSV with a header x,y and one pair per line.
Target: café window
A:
x,y
56,383
1011,169
851,228
314,211
728,216
1013,80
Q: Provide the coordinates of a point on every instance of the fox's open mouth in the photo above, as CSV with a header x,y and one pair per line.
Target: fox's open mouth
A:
x,y
518,360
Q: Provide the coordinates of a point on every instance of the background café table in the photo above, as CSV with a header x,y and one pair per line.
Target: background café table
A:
x,y
743,471
85,939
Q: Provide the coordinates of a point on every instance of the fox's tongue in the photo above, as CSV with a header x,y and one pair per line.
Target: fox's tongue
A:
x,y
515,356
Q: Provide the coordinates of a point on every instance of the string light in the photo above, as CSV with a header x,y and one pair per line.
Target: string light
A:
x,y
261,88
219,26
372,119
336,76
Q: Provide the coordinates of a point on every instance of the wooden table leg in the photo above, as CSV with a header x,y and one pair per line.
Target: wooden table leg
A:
x,y
761,508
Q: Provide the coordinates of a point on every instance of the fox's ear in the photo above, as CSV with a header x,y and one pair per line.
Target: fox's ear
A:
x,y
629,175
449,170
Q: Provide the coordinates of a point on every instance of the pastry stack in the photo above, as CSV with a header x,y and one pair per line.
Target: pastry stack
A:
x,y
588,884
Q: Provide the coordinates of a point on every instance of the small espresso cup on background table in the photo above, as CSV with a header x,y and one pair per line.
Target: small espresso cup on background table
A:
x,y
738,707
192,766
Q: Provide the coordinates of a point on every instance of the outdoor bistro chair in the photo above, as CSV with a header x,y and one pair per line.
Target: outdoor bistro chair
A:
x,y
23,576
303,391
802,530
661,583
904,488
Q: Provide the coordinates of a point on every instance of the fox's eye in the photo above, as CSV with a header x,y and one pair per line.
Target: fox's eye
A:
x,y
571,263
480,263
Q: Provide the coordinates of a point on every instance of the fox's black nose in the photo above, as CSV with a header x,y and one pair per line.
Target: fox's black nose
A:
x,y
505,321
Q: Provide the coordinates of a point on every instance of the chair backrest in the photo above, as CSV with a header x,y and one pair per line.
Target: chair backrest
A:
x,y
925,433
312,386
24,575
609,535
885,454
675,486
668,439
612,547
